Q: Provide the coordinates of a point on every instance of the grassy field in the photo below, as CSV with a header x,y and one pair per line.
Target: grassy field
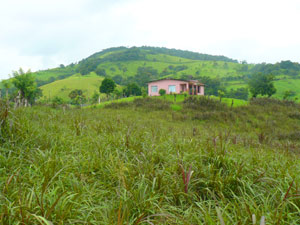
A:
x,y
122,100
55,72
281,86
287,85
140,162
61,88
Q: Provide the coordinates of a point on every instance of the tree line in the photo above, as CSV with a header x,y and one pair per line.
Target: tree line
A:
x,y
284,67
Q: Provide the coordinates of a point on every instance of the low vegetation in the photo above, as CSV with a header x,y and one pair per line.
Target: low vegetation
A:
x,y
141,162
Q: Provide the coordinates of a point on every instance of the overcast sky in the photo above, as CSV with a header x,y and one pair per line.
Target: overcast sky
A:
x,y
41,34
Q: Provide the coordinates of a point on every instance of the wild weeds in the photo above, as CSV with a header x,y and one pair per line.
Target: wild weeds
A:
x,y
272,102
120,166
186,177
203,103
4,126
151,104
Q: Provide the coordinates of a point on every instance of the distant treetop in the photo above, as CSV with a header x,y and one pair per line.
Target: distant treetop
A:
x,y
138,53
187,54
123,54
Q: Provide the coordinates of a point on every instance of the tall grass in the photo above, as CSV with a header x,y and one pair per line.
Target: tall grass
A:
x,y
139,165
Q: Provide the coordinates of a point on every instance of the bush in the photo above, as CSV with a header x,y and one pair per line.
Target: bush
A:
x,y
118,105
151,104
203,103
271,101
162,92
293,136
240,93
294,115
132,89
57,101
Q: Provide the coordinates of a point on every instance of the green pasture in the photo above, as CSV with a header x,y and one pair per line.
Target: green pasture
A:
x,y
61,88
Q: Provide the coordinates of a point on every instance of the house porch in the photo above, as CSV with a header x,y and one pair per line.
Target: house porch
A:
x,y
192,88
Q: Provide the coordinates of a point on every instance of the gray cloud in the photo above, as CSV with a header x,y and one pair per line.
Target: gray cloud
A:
x,y
42,34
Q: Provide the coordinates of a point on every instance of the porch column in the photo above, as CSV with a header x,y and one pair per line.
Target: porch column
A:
x,y
202,90
193,87
187,88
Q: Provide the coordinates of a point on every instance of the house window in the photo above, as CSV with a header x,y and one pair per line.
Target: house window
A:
x,y
154,89
172,88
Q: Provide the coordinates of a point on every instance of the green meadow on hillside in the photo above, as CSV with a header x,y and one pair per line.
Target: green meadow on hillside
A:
x,y
287,85
206,68
281,85
58,73
61,88
140,162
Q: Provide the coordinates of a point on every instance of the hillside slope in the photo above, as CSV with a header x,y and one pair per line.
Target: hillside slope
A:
x,y
61,88
142,64
133,65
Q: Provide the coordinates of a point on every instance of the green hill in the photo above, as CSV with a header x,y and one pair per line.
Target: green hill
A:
x,y
142,64
132,65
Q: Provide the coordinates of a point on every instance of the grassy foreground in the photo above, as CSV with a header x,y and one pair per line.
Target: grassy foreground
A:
x,y
142,163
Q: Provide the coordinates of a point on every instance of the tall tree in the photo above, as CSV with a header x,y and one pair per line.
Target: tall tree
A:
x,y
25,83
213,85
132,89
262,84
107,86
77,97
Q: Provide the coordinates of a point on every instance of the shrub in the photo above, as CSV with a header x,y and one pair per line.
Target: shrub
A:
x,y
271,101
294,136
162,92
57,101
151,104
294,115
132,89
118,105
203,103
240,93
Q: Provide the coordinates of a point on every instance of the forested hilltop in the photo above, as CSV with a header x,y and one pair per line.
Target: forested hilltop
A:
x,y
141,64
